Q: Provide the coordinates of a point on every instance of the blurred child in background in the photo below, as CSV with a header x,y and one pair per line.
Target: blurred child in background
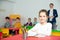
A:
x,y
17,24
29,23
35,21
7,23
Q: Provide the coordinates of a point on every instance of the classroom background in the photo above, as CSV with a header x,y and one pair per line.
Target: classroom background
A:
x,y
27,9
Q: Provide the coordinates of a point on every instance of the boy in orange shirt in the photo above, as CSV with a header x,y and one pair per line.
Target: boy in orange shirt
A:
x,y
17,23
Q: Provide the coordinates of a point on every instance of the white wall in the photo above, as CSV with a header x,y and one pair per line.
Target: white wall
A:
x,y
28,8
7,9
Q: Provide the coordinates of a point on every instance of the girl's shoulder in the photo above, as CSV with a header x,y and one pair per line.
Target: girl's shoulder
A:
x,y
49,23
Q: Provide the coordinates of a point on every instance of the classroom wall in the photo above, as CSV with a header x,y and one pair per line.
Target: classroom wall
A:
x,y
5,9
27,8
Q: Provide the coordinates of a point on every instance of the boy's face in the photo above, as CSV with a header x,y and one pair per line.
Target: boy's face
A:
x,y
7,20
29,20
43,17
35,19
17,20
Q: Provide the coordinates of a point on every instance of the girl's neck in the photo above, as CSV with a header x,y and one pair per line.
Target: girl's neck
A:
x,y
43,23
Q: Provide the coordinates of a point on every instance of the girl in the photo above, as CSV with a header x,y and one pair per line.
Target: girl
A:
x,y
41,29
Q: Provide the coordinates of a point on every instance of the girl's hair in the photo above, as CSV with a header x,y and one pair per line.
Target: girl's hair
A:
x,y
43,10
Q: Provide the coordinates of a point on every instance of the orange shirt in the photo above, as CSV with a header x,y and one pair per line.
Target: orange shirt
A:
x,y
17,25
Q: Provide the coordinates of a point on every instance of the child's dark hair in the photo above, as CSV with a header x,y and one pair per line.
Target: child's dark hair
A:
x,y
35,18
18,18
43,10
51,4
29,18
7,18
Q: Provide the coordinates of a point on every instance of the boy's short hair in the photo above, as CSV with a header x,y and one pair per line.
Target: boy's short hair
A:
x,y
18,18
51,4
7,18
35,17
29,18
43,10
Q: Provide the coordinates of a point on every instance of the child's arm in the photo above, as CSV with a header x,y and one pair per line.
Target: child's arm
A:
x,y
26,24
32,32
46,33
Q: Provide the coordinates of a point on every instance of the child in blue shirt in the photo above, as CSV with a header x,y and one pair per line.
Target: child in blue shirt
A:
x,y
7,23
35,21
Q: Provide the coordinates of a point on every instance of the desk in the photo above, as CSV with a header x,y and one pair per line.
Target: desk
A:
x,y
15,29
6,30
20,37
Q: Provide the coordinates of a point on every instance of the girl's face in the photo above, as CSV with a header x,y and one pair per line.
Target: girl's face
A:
x,y
43,17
